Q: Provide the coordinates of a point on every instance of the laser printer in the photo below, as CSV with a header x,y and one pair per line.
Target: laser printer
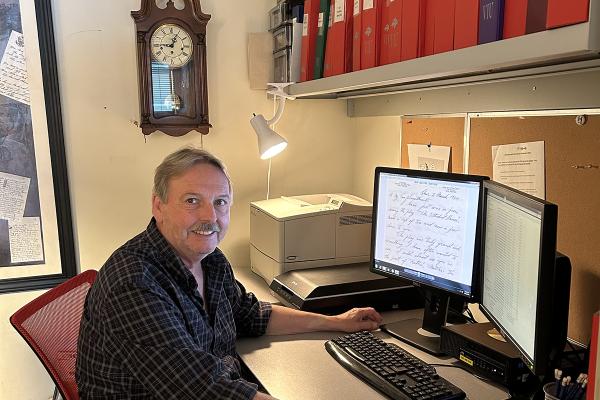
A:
x,y
308,231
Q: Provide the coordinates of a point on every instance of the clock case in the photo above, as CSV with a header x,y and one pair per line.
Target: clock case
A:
x,y
193,20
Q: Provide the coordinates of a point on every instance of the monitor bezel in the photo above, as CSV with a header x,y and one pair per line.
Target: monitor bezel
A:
x,y
547,251
444,176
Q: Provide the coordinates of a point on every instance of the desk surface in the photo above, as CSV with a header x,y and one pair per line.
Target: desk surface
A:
x,y
294,367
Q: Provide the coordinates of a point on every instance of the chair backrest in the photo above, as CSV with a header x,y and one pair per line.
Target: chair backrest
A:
x,y
50,325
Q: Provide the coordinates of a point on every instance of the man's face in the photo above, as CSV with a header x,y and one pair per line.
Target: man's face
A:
x,y
195,216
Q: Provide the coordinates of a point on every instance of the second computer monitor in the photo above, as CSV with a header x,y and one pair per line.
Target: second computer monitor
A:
x,y
426,229
525,293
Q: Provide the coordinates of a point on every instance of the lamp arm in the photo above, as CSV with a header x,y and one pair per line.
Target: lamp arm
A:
x,y
279,112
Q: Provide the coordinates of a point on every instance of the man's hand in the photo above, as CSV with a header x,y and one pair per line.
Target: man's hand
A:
x,y
358,319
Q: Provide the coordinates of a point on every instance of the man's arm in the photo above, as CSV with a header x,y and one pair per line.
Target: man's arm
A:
x,y
286,320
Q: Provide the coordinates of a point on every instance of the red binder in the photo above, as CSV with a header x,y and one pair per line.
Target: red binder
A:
x,y
356,34
391,32
309,37
561,12
338,52
466,23
413,29
537,11
515,18
439,26
370,38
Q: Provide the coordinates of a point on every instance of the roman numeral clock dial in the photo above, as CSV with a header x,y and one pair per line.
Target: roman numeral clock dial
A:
x,y
171,46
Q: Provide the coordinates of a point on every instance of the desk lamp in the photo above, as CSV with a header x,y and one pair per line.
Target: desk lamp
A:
x,y
270,143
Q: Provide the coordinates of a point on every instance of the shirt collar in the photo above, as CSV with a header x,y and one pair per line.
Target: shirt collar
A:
x,y
175,266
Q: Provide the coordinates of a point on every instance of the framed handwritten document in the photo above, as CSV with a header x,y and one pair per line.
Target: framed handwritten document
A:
x,y
36,233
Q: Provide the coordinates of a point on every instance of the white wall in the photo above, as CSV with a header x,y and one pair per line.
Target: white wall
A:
x,y
377,143
111,164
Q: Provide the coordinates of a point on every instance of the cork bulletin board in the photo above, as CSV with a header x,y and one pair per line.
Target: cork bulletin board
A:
x,y
437,131
571,151
572,182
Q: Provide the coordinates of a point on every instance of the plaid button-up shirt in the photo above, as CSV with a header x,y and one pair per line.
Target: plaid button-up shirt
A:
x,y
147,333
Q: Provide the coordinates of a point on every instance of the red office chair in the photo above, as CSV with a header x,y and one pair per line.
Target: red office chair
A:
x,y
50,325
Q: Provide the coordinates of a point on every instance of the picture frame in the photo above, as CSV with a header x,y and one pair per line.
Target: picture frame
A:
x,y
63,265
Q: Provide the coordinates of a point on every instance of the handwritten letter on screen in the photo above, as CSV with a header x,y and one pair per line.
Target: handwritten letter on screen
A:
x,y
425,227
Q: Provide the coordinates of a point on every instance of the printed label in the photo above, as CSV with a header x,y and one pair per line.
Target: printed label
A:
x,y
368,4
465,359
356,7
340,10
305,25
331,13
320,21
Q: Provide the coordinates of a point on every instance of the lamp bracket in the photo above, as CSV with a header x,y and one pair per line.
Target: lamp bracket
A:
x,y
276,89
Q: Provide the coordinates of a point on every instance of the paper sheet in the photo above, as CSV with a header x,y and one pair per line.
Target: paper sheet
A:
x,y
428,157
260,60
25,240
521,166
13,70
13,194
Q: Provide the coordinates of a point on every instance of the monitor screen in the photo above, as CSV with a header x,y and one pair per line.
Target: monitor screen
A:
x,y
518,251
426,229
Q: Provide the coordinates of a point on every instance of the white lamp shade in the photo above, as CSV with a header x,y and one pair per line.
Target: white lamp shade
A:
x,y
269,142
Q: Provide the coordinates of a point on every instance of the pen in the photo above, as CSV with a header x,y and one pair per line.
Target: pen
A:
x,y
563,387
557,376
580,390
567,390
571,389
580,379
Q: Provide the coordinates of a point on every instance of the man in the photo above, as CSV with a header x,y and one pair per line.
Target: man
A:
x,y
162,318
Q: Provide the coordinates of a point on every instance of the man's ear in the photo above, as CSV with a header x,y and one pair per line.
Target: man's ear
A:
x,y
157,206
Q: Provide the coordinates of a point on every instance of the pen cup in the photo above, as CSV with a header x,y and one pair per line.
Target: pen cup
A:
x,y
550,391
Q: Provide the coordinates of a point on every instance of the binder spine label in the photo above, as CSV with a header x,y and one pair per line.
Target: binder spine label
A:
x,y
487,11
305,25
340,10
367,4
320,22
331,13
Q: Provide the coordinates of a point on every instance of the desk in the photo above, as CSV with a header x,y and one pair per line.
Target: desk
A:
x,y
297,367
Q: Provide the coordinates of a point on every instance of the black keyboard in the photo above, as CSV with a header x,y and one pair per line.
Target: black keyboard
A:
x,y
390,369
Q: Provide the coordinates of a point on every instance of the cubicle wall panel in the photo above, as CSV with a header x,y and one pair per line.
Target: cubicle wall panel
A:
x,y
444,131
572,155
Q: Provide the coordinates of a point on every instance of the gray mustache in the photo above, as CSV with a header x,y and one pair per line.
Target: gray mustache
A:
x,y
207,227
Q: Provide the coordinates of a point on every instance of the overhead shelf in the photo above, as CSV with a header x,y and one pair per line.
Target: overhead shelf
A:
x,y
570,48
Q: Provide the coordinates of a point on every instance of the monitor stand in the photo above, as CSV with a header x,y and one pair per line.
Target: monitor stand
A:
x,y
424,334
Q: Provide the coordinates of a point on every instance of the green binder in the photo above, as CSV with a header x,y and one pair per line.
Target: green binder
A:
x,y
321,38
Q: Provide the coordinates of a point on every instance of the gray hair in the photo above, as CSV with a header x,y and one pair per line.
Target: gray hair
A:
x,y
177,163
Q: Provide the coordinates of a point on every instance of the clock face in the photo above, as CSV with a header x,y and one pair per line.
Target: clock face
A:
x,y
171,45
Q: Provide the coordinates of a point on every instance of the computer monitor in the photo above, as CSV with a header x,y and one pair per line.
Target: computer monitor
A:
x,y
525,293
426,229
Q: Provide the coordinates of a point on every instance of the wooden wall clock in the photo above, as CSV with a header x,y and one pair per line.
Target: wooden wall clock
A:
x,y
171,53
